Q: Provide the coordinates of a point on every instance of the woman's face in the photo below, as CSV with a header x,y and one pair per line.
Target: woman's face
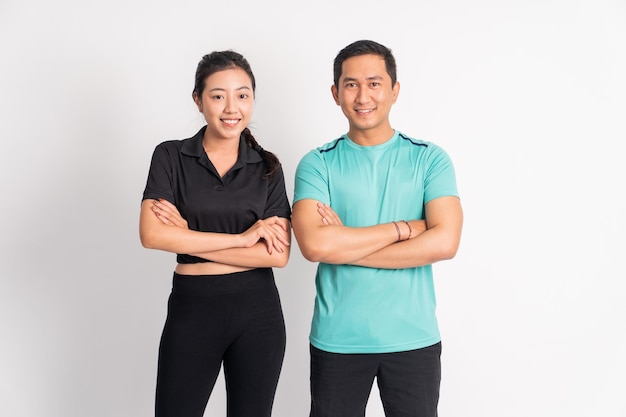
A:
x,y
227,103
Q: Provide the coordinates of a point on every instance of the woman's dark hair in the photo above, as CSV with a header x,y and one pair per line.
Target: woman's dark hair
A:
x,y
365,47
220,61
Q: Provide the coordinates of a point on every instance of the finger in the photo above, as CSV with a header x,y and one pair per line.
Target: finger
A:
x,y
159,207
332,217
178,221
277,221
282,234
268,245
276,243
163,219
161,215
156,210
329,217
167,204
328,210
272,239
277,237
171,212
167,208
283,223
325,219
263,235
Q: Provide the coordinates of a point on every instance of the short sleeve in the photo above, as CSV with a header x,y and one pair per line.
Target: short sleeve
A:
x,y
311,179
159,183
277,201
440,176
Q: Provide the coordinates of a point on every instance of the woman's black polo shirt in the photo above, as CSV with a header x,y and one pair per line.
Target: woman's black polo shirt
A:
x,y
181,173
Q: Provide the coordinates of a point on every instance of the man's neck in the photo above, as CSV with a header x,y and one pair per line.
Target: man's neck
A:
x,y
371,137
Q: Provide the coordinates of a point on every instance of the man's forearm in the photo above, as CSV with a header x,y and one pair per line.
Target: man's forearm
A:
x,y
439,242
344,245
322,237
429,247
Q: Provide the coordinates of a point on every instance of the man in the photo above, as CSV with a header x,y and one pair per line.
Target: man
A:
x,y
376,208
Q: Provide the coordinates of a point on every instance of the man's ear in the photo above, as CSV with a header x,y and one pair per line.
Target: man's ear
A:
x,y
335,93
396,91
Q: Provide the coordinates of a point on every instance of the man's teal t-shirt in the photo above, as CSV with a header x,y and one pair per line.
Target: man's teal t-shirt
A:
x,y
369,310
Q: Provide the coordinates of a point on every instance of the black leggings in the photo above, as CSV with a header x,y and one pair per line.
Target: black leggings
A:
x,y
235,320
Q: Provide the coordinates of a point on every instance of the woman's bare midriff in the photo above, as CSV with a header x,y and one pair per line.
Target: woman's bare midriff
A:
x,y
208,268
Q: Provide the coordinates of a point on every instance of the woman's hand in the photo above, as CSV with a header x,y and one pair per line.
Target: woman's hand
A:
x,y
168,213
274,231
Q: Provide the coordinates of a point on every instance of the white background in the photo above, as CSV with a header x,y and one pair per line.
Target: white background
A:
x,y
527,97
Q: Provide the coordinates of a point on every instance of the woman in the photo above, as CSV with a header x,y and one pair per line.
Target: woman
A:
x,y
218,201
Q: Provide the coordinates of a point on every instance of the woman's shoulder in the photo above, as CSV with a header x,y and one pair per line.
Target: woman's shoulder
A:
x,y
178,144
171,144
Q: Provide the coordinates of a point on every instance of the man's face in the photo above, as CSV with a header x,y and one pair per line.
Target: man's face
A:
x,y
365,94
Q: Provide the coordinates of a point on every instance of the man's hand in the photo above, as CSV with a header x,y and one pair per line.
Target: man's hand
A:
x,y
329,217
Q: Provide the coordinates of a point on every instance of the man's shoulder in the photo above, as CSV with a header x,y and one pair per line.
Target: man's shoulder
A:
x,y
412,141
420,144
321,152
330,146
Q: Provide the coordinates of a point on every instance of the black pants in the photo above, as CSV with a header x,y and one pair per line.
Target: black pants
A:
x,y
408,382
235,320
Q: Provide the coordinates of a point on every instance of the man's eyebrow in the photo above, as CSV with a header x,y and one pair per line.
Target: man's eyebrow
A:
x,y
372,78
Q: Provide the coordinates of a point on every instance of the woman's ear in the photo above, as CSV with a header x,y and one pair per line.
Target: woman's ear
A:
x,y
197,100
